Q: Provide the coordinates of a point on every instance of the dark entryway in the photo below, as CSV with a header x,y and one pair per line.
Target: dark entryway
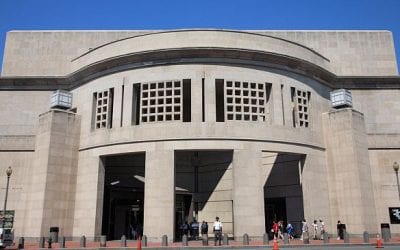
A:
x,y
275,210
283,194
123,196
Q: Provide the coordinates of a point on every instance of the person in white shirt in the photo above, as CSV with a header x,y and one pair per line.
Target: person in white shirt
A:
x,y
322,229
217,229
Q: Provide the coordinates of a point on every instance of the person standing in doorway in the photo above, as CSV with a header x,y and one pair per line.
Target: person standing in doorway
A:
x,y
217,229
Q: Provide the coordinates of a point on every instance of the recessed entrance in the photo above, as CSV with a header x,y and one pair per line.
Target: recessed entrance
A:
x,y
123,195
283,195
203,188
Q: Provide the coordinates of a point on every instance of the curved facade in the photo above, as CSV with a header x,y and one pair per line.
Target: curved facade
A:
x,y
172,126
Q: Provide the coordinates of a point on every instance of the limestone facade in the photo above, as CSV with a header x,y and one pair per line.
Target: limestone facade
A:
x,y
167,126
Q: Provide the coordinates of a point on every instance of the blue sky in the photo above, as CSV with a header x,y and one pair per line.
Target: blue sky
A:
x,y
176,14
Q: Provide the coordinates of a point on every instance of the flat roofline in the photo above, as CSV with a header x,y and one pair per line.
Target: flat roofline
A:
x,y
196,29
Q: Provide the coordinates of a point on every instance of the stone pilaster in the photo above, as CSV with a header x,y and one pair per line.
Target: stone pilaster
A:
x,y
51,195
248,193
159,194
350,184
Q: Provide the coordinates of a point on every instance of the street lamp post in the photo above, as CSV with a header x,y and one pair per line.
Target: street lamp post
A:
x,y
396,169
8,172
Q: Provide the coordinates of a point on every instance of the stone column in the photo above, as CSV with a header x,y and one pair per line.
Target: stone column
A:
x,y
248,193
159,194
350,184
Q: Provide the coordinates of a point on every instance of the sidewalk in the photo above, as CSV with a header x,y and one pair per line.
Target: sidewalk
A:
x,y
198,244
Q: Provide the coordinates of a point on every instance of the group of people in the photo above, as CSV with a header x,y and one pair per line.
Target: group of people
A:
x,y
278,230
318,229
192,230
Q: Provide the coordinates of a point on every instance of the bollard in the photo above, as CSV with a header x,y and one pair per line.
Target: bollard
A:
x,y
366,237
306,239
83,241
164,242
326,238
245,239
103,241
144,240
41,242
285,238
123,241
346,237
21,243
265,239
225,240
205,239
62,242
185,240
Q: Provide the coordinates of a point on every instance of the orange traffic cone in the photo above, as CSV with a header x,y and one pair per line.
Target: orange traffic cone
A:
x,y
276,247
378,242
139,243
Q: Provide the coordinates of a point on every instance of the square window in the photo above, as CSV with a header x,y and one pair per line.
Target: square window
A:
x,y
254,118
238,117
245,93
177,108
237,84
245,85
160,109
238,108
229,83
144,119
152,101
237,92
160,85
161,93
152,86
230,117
229,92
144,102
168,109
160,118
168,117
177,92
246,100
152,118
177,117
152,94
152,110
253,85
177,84
177,100
160,101
145,86
246,109
169,84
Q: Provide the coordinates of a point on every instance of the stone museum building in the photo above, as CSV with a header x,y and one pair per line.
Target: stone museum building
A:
x,y
110,132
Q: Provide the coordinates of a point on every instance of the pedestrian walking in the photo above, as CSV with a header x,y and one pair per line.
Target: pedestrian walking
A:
x,y
304,228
